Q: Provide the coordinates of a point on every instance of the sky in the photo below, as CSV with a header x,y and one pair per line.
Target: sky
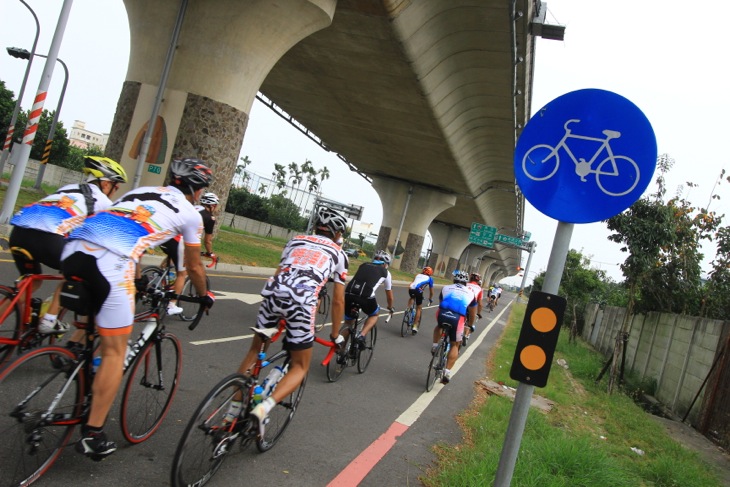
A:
x,y
668,57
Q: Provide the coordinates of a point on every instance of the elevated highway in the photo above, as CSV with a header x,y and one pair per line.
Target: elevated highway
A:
x,y
425,98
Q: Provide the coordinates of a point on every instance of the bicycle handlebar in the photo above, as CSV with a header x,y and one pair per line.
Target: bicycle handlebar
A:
x,y
326,343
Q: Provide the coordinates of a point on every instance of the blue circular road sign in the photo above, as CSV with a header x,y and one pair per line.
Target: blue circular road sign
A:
x,y
585,156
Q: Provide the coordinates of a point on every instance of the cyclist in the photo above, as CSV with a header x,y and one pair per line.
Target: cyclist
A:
x,y
457,306
475,284
39,228
492,296
208,205
415,291
361,291
103,252
291,293
498,290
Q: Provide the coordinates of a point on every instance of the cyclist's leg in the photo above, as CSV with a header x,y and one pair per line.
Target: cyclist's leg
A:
x,y
371,309
177,255
456,335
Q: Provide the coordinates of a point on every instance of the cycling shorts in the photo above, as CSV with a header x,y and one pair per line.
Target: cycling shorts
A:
x,y
175,249
110,280
299,316
44,247
369,306
456,321
417,295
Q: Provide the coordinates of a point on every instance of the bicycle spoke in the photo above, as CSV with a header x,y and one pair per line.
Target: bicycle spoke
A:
x,y
366,355
31,441
207,438
279,418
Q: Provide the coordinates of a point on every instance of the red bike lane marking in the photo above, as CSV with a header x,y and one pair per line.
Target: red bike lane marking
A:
x,y
358,468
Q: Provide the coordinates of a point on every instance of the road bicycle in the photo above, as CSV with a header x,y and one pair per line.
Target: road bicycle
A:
x,y
438,358
47,392
162,278
615,175
409,316
209,435
21,313
350,353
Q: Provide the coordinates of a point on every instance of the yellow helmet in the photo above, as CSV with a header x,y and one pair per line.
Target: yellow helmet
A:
x,y
104,168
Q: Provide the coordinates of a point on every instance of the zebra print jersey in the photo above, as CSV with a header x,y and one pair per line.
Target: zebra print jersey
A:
x,y
307,262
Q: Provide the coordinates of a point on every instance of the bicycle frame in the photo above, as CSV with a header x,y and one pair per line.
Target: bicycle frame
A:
x,y
610,134
22,292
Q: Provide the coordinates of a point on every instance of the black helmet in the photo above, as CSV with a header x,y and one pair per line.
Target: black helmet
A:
x,y
190,172
328,219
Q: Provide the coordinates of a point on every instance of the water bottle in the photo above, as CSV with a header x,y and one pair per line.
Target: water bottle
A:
x,y
95,362
274,377
171,275
35,313
258,394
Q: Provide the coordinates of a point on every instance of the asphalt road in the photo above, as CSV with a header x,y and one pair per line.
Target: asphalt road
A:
x,y
335,423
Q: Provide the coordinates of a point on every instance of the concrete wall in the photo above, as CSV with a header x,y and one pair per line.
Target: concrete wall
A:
x,y
676,351
53,175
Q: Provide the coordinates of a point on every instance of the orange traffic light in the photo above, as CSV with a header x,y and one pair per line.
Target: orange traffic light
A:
x,y
538,338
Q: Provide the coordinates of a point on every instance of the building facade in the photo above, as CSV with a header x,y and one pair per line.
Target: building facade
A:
x,y
83,138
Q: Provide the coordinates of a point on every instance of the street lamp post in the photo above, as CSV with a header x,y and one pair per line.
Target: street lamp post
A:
x,y
24,54
14,118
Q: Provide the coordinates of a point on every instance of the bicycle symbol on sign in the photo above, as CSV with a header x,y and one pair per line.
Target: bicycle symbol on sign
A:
x,y
613,173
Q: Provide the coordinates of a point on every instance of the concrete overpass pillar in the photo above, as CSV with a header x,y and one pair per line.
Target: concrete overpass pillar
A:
x,y
212,83
448,244
416,207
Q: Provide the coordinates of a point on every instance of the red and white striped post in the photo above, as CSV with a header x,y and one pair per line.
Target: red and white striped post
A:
x,y
11,196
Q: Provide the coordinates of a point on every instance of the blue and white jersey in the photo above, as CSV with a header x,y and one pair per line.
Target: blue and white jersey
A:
x,y
457,298
144,217
421,281
61,211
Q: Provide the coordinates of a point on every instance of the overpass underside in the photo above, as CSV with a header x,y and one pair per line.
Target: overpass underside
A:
x,y
429,93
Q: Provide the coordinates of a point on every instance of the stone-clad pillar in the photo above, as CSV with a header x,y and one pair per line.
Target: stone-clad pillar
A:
x,y
420,205
448,242
225,50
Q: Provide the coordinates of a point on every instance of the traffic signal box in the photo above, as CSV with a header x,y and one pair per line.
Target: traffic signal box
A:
x,y
538,338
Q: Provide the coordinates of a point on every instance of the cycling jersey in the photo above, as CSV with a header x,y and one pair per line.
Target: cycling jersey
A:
x,y
307,262
61,211
208,220
143,218
457,298
477,290
361,288
420,282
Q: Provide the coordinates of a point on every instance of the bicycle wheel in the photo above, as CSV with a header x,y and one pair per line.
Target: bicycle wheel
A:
x,y
157,280
152,383
279,418
10,327
407,323
32,441
540,162
338,364
323,312
206,440
434,368
366,355
621,181
191,310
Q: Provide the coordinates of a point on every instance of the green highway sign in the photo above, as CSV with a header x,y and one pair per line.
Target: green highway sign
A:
x,y
506,239
154,169
482,235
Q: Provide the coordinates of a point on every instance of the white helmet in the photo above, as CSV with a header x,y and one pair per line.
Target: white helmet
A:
x,y
209,199
460,277
382,256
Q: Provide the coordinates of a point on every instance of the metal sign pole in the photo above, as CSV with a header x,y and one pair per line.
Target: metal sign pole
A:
x,y
523,396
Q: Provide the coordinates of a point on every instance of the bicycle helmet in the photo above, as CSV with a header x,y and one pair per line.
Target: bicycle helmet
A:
x,y
191,172
104,168
460,277
209,199
329,220
428,271
474,277
381,256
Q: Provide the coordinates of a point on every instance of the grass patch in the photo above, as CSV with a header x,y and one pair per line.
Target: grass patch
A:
x,y
585,440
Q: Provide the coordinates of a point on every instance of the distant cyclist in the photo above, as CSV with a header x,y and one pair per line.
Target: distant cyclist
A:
x,y
475,284
361,291
306,264
103,252
415,291
458,307
39,228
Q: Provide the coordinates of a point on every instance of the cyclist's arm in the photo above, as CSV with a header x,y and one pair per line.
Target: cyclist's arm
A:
x,y
471,314
195,268
338,307
389,295
208,241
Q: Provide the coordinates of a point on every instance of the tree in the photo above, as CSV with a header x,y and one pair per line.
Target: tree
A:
x,y
60,148
7,106
241,173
